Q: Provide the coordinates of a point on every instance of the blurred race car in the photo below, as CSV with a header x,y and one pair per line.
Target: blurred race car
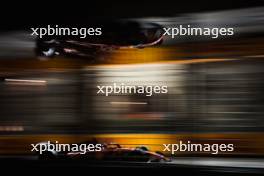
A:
x,y
109,153
115,35
114,153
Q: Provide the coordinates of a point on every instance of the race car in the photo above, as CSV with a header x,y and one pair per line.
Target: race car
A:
x,y
109,153
116,153
115,35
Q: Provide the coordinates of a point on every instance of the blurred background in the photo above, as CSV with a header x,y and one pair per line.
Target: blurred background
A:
x,y
215,86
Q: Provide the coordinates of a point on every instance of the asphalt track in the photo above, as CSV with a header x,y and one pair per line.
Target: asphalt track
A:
x,y
183,165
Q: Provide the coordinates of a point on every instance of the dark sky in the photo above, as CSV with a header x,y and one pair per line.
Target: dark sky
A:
x,y
24,13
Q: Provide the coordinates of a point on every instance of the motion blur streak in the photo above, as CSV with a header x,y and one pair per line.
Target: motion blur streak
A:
x,y
27,82
125,103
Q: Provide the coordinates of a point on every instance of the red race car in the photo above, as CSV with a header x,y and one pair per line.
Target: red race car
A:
x,y
116,153
115,35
